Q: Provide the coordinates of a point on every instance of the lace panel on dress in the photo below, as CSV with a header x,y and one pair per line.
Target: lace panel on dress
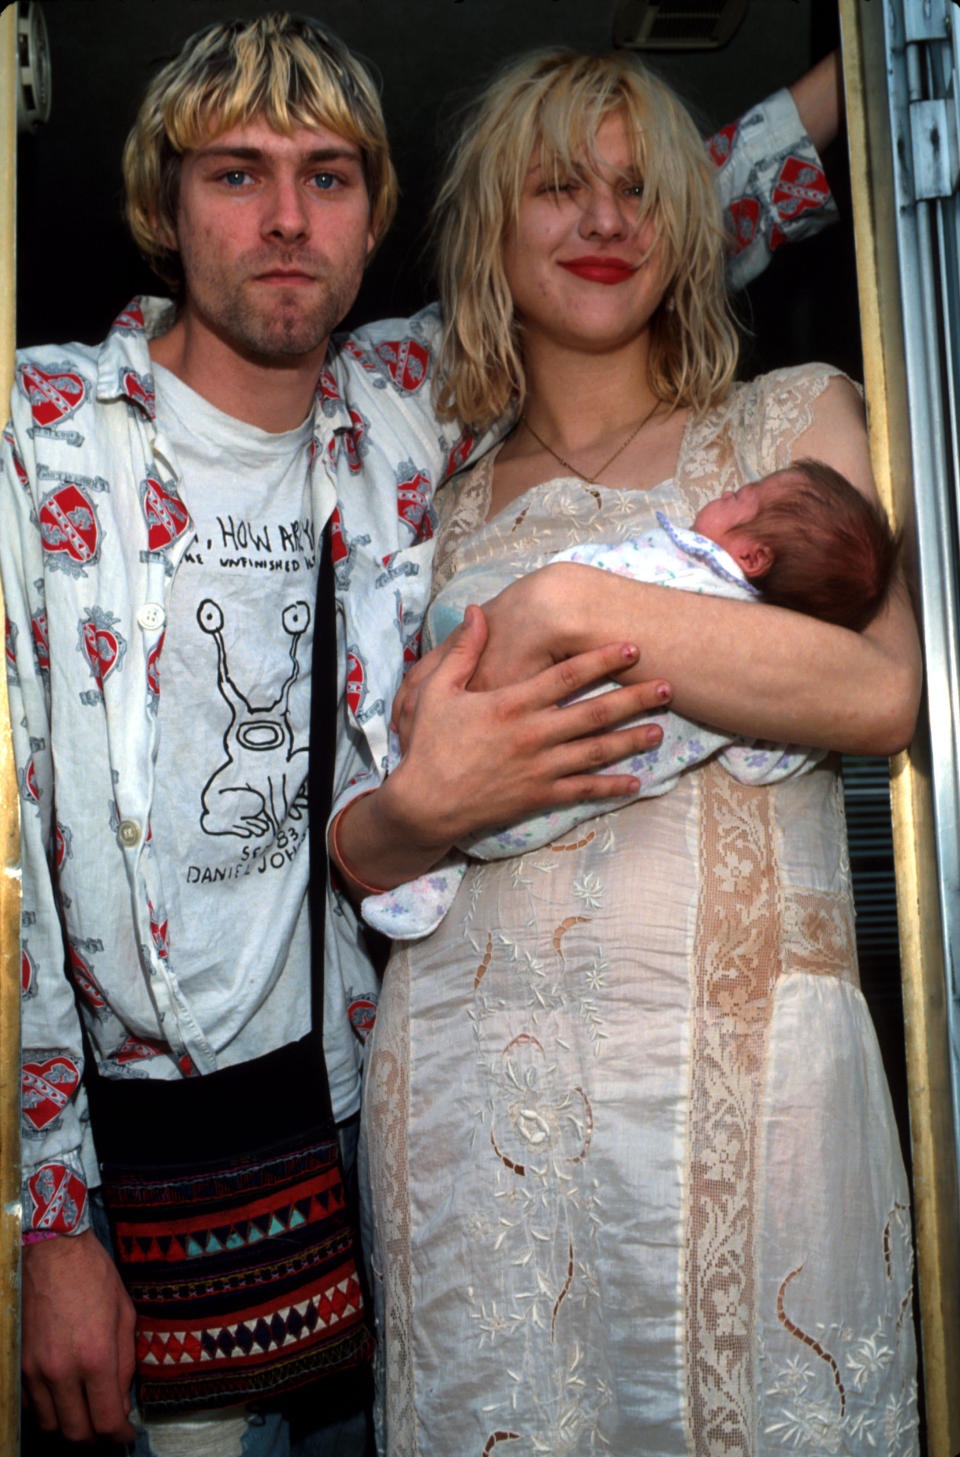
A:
x,y
736,964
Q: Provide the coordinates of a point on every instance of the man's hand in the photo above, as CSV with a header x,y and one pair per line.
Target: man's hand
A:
x,y
77,1344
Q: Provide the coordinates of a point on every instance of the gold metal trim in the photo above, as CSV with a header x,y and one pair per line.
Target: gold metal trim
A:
x,y
9,819
922,955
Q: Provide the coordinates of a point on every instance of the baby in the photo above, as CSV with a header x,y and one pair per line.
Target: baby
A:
x,y
803,538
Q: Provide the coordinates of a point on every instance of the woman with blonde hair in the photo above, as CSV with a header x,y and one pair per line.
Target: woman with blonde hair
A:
x,y
634,1182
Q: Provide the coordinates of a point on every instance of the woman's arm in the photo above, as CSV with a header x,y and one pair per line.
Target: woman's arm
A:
x,y
475,760
746,668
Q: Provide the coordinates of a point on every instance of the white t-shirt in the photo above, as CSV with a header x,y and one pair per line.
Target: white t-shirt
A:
x,y
230,807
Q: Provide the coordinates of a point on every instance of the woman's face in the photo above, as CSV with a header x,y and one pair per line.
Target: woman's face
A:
x,y
581,268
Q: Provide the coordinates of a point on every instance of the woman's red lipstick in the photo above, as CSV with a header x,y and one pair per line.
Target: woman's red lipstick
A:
x,y
600,269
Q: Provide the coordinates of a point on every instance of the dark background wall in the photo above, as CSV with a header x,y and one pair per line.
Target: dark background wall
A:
x,y
77,265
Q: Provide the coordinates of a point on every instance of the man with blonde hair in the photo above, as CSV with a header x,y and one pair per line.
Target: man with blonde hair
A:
x,y
164,513
217,496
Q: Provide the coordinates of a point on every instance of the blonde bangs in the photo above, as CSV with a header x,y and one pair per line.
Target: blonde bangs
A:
x,y
283,69
553,103
278,82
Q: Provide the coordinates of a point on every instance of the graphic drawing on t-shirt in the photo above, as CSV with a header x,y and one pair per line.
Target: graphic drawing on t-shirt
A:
x,y
248,795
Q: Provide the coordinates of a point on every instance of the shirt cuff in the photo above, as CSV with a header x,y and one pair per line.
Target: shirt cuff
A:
x,y
54,1198
778,193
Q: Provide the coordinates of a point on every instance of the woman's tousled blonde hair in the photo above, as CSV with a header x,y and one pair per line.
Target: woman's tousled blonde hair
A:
x,y
282,68
555,101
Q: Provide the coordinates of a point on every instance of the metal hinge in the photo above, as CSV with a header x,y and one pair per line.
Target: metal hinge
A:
x,y
933,140
927,19
935,124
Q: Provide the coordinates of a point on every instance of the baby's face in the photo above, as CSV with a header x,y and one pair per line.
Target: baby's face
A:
x,y
727,519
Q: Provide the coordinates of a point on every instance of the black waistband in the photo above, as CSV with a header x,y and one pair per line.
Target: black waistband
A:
x,y
270,1101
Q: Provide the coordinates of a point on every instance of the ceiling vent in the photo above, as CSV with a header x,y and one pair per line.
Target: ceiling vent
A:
x,y
676,25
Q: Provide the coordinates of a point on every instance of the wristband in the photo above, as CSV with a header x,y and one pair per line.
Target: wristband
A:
x,y
34,1236
338,854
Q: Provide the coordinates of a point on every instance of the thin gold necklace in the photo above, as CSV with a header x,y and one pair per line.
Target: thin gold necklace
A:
x,y
594,479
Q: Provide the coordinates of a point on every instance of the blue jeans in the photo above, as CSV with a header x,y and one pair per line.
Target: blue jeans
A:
x,y
252,1434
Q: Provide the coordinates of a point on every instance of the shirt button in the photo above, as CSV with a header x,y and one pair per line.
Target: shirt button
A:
x,y
128,833
150,616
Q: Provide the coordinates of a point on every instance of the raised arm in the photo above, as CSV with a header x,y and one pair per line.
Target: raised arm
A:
x,y
747,668
772,187
818,97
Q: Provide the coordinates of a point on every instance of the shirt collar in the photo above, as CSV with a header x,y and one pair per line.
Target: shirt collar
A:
x,y
332,386
124,366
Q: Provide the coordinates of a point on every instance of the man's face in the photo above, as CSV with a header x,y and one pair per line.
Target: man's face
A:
x,y
273,234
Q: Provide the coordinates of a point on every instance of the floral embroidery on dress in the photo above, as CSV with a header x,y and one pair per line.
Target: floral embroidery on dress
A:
x,y
839,1406
386,1105
539,1123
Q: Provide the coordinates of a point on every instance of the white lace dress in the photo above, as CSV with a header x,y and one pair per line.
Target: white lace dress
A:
x,y
633,1184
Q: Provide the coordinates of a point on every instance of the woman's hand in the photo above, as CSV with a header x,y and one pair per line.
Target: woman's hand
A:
x,y
484,758
477,759
408,694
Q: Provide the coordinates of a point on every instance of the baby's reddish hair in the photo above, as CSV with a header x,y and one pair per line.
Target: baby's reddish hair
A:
x,y
834,553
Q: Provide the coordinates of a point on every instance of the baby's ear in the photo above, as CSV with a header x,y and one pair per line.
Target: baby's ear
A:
x,y
754,558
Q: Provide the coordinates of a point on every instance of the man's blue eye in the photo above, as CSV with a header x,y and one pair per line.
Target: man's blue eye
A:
x,y
324,180
236,177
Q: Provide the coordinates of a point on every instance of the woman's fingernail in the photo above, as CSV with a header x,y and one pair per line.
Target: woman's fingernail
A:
x,y
630,651
664,692
654,735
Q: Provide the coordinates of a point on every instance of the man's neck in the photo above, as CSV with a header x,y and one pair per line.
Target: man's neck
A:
x,y
273,396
